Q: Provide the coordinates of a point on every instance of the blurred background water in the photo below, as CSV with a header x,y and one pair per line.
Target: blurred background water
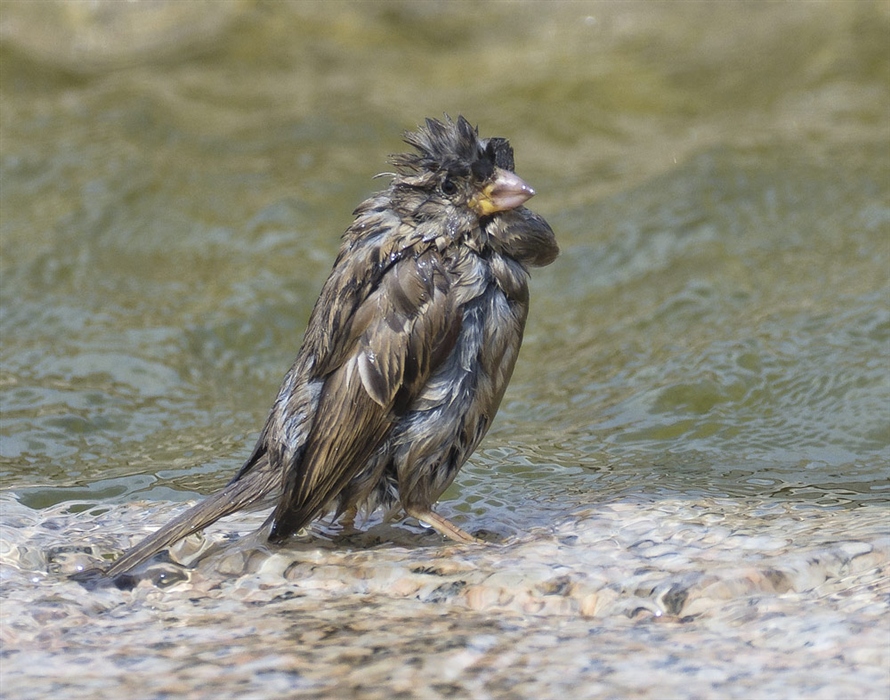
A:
x,y
718,179
174,178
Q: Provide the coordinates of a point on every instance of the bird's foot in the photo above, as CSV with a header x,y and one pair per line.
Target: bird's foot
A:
x,y
347,522
442,526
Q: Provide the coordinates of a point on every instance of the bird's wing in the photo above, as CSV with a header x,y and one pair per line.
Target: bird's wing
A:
x,y
373,361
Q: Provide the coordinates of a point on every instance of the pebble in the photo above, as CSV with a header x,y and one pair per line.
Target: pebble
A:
x,y
651,599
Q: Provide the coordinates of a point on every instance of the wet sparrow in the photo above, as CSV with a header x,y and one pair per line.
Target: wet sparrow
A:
x,y
408,351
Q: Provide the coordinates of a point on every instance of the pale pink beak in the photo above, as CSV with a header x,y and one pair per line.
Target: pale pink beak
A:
x,y
506,191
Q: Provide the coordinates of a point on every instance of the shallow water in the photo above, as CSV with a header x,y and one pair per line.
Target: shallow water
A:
x,y
770,600
686,488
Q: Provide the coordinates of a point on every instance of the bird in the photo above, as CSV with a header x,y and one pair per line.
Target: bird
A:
x,y
407,353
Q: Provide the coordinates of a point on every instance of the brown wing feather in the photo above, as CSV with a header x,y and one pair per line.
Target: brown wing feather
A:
x,y
387,352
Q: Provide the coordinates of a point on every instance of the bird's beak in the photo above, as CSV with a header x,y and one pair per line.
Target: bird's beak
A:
x,y
506,191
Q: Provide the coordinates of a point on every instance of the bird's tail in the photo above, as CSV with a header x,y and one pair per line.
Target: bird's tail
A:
x,y
253,486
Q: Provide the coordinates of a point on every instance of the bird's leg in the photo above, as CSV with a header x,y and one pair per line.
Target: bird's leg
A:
x,y
442,526
392,513
347,520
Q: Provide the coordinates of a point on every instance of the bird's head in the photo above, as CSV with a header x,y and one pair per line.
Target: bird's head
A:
x,y
454,170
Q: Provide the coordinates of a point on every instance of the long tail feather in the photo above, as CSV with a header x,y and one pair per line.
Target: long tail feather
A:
x,y
259,482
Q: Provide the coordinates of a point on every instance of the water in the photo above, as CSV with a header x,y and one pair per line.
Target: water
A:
x,y
690,468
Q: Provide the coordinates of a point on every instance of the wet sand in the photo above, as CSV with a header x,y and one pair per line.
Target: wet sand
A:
x,y
665,598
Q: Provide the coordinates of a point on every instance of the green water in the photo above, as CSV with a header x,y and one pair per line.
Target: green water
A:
x,y
719,180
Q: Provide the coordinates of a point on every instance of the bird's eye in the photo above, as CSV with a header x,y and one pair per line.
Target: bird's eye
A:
x,y
448,188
